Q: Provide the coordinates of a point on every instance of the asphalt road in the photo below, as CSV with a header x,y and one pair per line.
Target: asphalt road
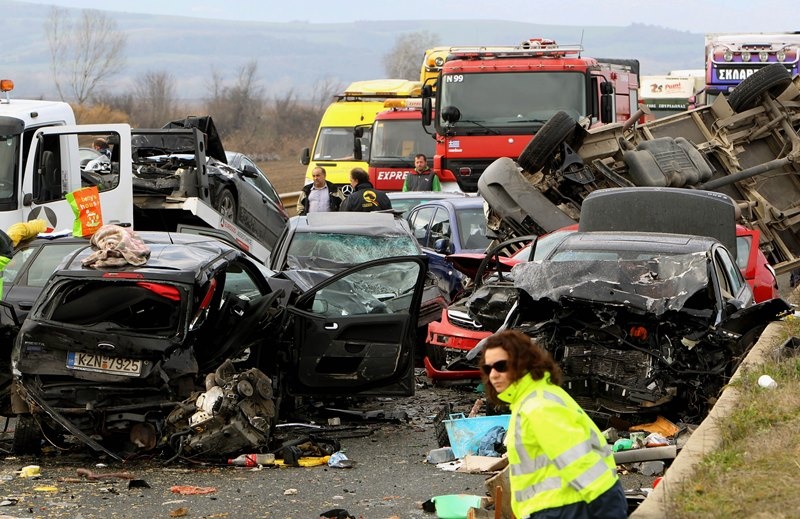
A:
x,y
390,479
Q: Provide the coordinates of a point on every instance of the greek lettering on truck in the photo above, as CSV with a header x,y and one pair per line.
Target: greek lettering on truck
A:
x,y
492,100
671,93
354,108
732,57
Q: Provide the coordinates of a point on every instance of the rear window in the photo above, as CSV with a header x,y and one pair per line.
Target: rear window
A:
x,y
143,308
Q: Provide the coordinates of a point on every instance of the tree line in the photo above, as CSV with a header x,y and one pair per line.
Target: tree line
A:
x,y
87,51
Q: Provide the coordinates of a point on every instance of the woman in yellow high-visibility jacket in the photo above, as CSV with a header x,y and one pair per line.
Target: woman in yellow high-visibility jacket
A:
x,y
560,464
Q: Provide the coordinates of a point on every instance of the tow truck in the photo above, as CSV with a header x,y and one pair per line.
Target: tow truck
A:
x,y
40,163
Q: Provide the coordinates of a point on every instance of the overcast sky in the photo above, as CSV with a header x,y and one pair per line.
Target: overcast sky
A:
x,y
698,16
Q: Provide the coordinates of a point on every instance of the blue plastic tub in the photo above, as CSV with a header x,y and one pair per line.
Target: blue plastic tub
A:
x,y
465,433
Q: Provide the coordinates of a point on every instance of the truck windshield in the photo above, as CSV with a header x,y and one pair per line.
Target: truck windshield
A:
x,y
337,144
9,155
507,99
401,139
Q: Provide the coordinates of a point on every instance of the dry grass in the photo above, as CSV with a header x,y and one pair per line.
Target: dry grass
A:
x,y
753,474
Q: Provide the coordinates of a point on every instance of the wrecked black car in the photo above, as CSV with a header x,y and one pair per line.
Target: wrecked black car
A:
x,y
641,323
127,358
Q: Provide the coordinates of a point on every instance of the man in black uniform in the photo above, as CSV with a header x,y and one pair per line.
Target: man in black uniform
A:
x,y
364,197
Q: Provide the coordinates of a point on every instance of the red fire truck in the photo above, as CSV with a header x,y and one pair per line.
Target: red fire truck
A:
x,y
491,100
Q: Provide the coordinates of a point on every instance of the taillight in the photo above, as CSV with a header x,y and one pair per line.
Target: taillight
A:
x,y
167,291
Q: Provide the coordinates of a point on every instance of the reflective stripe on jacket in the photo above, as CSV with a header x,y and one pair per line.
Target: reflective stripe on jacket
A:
x,y
558,456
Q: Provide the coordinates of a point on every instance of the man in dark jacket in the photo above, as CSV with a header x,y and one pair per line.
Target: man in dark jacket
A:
x,y
422,178
319,196
364,197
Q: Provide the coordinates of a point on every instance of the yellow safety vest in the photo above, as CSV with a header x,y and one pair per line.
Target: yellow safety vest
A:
x,y
557,454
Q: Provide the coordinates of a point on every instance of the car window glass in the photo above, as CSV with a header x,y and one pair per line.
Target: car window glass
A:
x,y
382,289
261,181
419,221
145,308
440,227
45,263
239,281
472,228
743,251
731,272
15,265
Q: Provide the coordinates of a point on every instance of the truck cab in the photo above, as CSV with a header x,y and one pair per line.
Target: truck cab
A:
x,y
490,101
355,108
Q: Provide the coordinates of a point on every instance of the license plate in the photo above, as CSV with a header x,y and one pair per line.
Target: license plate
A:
x,y
103,364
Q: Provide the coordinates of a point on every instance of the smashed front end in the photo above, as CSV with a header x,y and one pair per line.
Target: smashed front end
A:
x,y
634,337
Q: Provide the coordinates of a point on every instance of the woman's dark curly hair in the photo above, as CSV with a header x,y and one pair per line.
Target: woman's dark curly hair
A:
x,y
524,356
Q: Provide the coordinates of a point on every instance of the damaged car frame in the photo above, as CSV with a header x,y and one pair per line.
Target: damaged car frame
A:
x,y
644,322
197,350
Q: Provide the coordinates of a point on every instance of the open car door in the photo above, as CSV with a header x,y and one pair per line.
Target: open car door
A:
x,y
354,333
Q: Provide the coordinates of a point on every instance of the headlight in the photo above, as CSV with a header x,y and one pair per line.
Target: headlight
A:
x,y
781,55
763,55
745,56
728,56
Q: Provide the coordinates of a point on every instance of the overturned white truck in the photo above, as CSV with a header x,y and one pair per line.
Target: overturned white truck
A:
x,y
745,146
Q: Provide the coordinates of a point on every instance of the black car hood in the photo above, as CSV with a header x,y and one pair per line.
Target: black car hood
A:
x,y
206,125
654,286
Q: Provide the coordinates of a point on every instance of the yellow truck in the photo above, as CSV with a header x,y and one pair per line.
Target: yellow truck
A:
x,y
352,110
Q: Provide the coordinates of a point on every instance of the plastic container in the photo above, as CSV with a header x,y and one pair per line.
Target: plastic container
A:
x,y
465,433
455,506
767,382
440,455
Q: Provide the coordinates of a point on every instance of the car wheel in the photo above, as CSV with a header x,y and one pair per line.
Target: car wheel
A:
x,y
540,150
772,79
27,435
226,204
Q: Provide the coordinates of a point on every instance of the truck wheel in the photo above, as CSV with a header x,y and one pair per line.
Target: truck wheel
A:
x,y
540,150
226,204
772,79
27,435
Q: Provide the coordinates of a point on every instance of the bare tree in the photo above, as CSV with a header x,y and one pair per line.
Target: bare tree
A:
x,y
155,97
83,53
404,60
238,109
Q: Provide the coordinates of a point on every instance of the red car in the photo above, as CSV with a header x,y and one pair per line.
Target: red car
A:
x,y
457,332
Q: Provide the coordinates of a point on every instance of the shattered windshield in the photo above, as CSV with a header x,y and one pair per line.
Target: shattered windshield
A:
x,y
336,249
655,284
528,97
382,289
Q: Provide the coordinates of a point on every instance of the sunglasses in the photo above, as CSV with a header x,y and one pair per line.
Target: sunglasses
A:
x,y
501,366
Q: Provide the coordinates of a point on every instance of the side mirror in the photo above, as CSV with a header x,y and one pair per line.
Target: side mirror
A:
x,y
442,246
305,157
451,114
249,171
606,102
357,155
427,91
427,111
358,132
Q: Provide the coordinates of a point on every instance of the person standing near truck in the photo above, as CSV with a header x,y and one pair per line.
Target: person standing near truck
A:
x,y
365,197
320,196
422,178
561,465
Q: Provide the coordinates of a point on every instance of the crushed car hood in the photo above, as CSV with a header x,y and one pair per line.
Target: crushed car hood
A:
x,y
635,284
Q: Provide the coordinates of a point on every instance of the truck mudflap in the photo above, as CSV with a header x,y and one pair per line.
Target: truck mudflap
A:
x,y
751,155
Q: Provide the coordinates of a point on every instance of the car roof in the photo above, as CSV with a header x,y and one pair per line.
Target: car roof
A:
x,y
631,241
456,202
170,256
399,195
350,222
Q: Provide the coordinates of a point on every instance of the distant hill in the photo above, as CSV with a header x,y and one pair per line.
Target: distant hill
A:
x,y
294,56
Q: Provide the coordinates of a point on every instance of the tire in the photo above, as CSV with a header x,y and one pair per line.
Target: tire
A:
x,y
540,150
772,79
27,435
226,204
